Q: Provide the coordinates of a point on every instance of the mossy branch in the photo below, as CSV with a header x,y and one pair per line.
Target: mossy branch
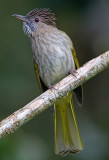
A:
x,y
41,103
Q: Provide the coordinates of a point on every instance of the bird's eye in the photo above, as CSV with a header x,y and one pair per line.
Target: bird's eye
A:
x,y
36,19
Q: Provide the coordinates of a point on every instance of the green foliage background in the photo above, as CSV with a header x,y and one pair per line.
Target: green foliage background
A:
x,y
87,24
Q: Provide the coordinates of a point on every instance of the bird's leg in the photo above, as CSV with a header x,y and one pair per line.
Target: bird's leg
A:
x,y
73,72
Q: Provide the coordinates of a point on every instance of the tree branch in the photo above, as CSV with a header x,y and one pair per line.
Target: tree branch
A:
x,y
41,103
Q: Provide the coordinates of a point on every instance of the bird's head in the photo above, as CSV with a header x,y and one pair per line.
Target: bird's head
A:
x,y
36,19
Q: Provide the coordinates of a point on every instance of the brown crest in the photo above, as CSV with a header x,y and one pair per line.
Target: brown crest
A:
x,y
45,14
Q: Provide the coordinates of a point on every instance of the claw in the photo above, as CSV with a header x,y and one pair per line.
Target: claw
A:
x,y
73,72
52,87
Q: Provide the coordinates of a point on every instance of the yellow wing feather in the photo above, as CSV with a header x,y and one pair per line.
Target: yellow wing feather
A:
x,y
75,58
37,75
77,65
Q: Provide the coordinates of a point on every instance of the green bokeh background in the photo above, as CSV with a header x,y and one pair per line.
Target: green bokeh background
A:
x,y
87,24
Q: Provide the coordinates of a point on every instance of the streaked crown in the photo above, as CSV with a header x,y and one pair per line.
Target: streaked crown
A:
x,y
36,19
45,14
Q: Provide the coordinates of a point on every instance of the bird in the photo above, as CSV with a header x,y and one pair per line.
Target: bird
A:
x,y
54,58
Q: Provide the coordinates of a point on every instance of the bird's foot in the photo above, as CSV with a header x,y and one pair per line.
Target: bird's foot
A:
x,y
73,72
52,87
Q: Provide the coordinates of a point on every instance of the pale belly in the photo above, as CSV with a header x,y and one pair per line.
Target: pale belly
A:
x,y
54,67
52,53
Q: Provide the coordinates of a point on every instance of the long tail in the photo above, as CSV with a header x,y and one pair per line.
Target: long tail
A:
x,y
67,137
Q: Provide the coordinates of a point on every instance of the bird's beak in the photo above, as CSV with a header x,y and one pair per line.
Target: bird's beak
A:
x,y
22,18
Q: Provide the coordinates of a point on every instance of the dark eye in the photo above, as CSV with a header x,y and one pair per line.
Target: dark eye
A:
x,y
36,19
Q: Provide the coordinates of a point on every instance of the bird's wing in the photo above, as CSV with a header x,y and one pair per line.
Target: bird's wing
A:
x,y
42,86
75,58
79,90
40,82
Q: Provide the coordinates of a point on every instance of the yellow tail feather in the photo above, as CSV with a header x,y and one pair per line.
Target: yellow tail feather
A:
x,y
67,137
